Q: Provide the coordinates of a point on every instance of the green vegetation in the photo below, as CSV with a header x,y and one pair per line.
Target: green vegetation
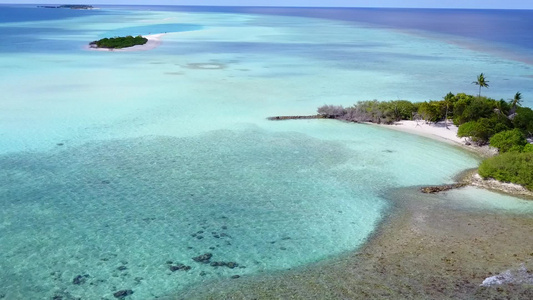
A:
x,y
509,167
478,131
119,42
523,119
504,125
371,111
482,82
68,6
509,140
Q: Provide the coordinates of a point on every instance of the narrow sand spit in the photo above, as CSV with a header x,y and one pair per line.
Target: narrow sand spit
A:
x,y
154,41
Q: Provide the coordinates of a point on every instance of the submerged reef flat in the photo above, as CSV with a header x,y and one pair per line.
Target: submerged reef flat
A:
x,y
427,249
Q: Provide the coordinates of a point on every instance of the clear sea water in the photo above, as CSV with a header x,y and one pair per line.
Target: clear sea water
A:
x,y
113,164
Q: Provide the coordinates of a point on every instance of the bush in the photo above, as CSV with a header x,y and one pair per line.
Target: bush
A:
x,y
523,119
509,139
331,111
528,148
509,167
479,131
482,130
460,103
466,108
432,111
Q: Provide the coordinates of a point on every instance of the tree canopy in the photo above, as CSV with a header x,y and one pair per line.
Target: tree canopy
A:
x,y
119,42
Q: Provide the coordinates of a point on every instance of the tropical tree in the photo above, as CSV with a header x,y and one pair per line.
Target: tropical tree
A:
x,y
502,108
516,101
482,82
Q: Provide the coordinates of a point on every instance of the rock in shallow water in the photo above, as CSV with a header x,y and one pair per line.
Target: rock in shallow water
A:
x,y
179,267
80,279
204,258
122,294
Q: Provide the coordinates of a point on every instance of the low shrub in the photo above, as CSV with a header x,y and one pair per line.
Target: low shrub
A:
x,y
512,167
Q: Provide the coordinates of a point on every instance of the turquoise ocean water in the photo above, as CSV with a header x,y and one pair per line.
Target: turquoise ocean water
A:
x,y
117,166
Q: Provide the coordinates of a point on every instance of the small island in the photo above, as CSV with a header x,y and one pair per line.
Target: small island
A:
x,y
119,42
68,6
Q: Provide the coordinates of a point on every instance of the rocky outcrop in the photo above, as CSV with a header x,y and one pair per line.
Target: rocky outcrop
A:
x,y
281,118
178,267
122,294
80,279
229,264
204,258
505,187
441,188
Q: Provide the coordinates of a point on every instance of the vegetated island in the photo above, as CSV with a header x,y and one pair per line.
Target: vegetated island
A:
x,y
481,121
68,6
119,42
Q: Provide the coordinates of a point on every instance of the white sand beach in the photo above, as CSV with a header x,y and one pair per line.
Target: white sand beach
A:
x,y
431,130
154,41
441,132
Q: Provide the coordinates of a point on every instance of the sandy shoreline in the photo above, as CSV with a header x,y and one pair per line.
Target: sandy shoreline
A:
x,y
439,132
154,41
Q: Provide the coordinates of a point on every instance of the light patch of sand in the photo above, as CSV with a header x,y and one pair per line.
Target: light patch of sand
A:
x,y
435,131
154,41
441,132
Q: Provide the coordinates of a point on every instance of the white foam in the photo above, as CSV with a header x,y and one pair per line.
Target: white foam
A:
x,y
518,276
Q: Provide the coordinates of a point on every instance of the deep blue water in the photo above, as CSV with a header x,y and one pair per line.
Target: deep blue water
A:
x,y
24,13
511,27
28,37
482,28
502,26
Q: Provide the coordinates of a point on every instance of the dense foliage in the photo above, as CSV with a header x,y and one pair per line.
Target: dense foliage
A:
x,y
509,140
479,131
509,167
120,42
523,119
478,118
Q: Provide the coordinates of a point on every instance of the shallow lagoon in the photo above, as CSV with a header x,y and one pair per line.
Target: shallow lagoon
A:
x,y
115,163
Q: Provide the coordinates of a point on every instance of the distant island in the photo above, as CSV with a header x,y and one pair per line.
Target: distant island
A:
x,y
68,6
119,42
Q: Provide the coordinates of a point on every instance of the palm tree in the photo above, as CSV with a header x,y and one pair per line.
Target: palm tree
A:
x,y
515,102
481,82
501,107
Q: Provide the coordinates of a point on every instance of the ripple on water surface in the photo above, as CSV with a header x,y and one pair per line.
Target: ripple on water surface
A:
x,y
132,214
